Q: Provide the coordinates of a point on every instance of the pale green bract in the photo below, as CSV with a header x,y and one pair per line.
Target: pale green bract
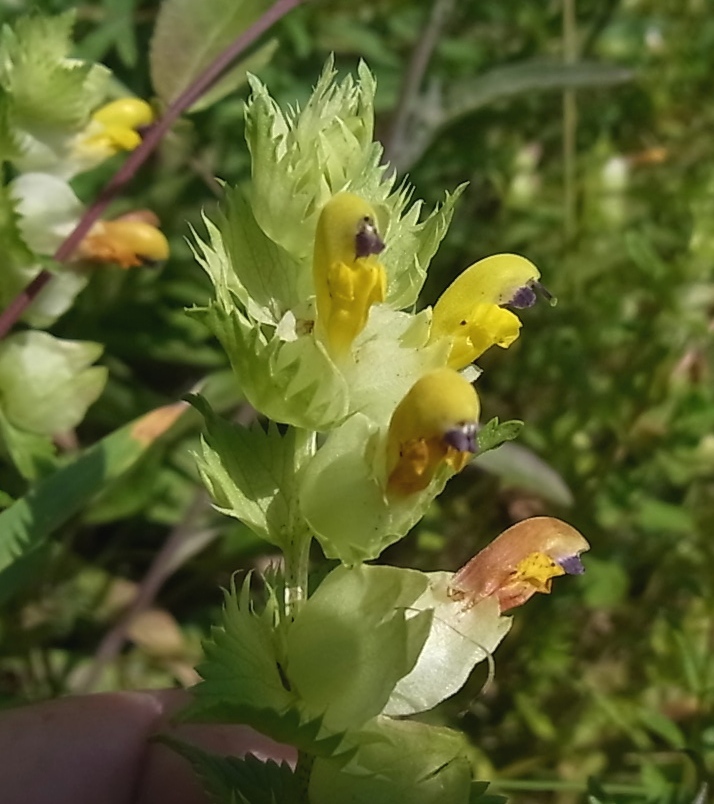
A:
x,y
47,383
321,686
46,97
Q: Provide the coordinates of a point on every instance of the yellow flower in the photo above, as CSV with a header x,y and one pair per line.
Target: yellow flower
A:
x,y
521,561
114,127
348,277
433,426
130,240
471,310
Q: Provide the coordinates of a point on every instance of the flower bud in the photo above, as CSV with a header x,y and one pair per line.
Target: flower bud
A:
x,y
433,426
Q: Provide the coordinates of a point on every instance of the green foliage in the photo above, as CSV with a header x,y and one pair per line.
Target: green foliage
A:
x,y
352,642
29,521
187,38
47,90
250,474
397,761
493,434
240,781
600,685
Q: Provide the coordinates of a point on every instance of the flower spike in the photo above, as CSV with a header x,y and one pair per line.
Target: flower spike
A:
x,y
433,426
471,310
521,561
348,277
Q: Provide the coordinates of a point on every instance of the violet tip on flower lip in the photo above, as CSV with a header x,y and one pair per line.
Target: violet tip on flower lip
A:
x,y
367,240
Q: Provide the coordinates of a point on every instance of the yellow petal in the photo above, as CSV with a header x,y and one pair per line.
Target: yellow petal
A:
x,y
131,113
128,242
470,310
433,425
348,277
114,127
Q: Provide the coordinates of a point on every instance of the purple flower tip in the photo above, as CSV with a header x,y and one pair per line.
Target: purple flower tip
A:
x,y
367,239
524,297
572,565
462,438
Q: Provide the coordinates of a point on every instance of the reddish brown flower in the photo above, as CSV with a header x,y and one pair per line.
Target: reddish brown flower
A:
x,y
521,561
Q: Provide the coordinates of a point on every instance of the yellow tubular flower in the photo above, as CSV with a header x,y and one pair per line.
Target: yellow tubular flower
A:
x,y
114,127
348,277
521,561
470,311
434,425
129,241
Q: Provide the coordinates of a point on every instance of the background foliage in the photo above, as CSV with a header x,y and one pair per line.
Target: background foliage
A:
x,y
609,192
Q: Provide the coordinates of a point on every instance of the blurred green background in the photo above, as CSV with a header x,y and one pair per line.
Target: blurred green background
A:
x,y
585,130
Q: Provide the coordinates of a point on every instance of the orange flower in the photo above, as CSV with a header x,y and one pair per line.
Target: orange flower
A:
x,y
130,240
521,561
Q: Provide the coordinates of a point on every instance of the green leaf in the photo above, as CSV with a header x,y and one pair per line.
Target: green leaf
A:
x,y
244,682
242,677
250,473
468,96
30,521
402,761
663,727
352,641
188,36
47,383
33,454
118,30
236,76
248,780
493,434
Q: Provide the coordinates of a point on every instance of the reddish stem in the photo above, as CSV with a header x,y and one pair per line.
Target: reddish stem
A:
x,y
137,158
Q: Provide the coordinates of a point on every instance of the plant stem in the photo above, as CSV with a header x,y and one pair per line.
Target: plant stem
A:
x,y
570,120
297,559
137,158
296,556
414,76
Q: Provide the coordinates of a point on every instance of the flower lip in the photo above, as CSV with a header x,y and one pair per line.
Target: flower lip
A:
x,y
462,438
572,565
367,239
